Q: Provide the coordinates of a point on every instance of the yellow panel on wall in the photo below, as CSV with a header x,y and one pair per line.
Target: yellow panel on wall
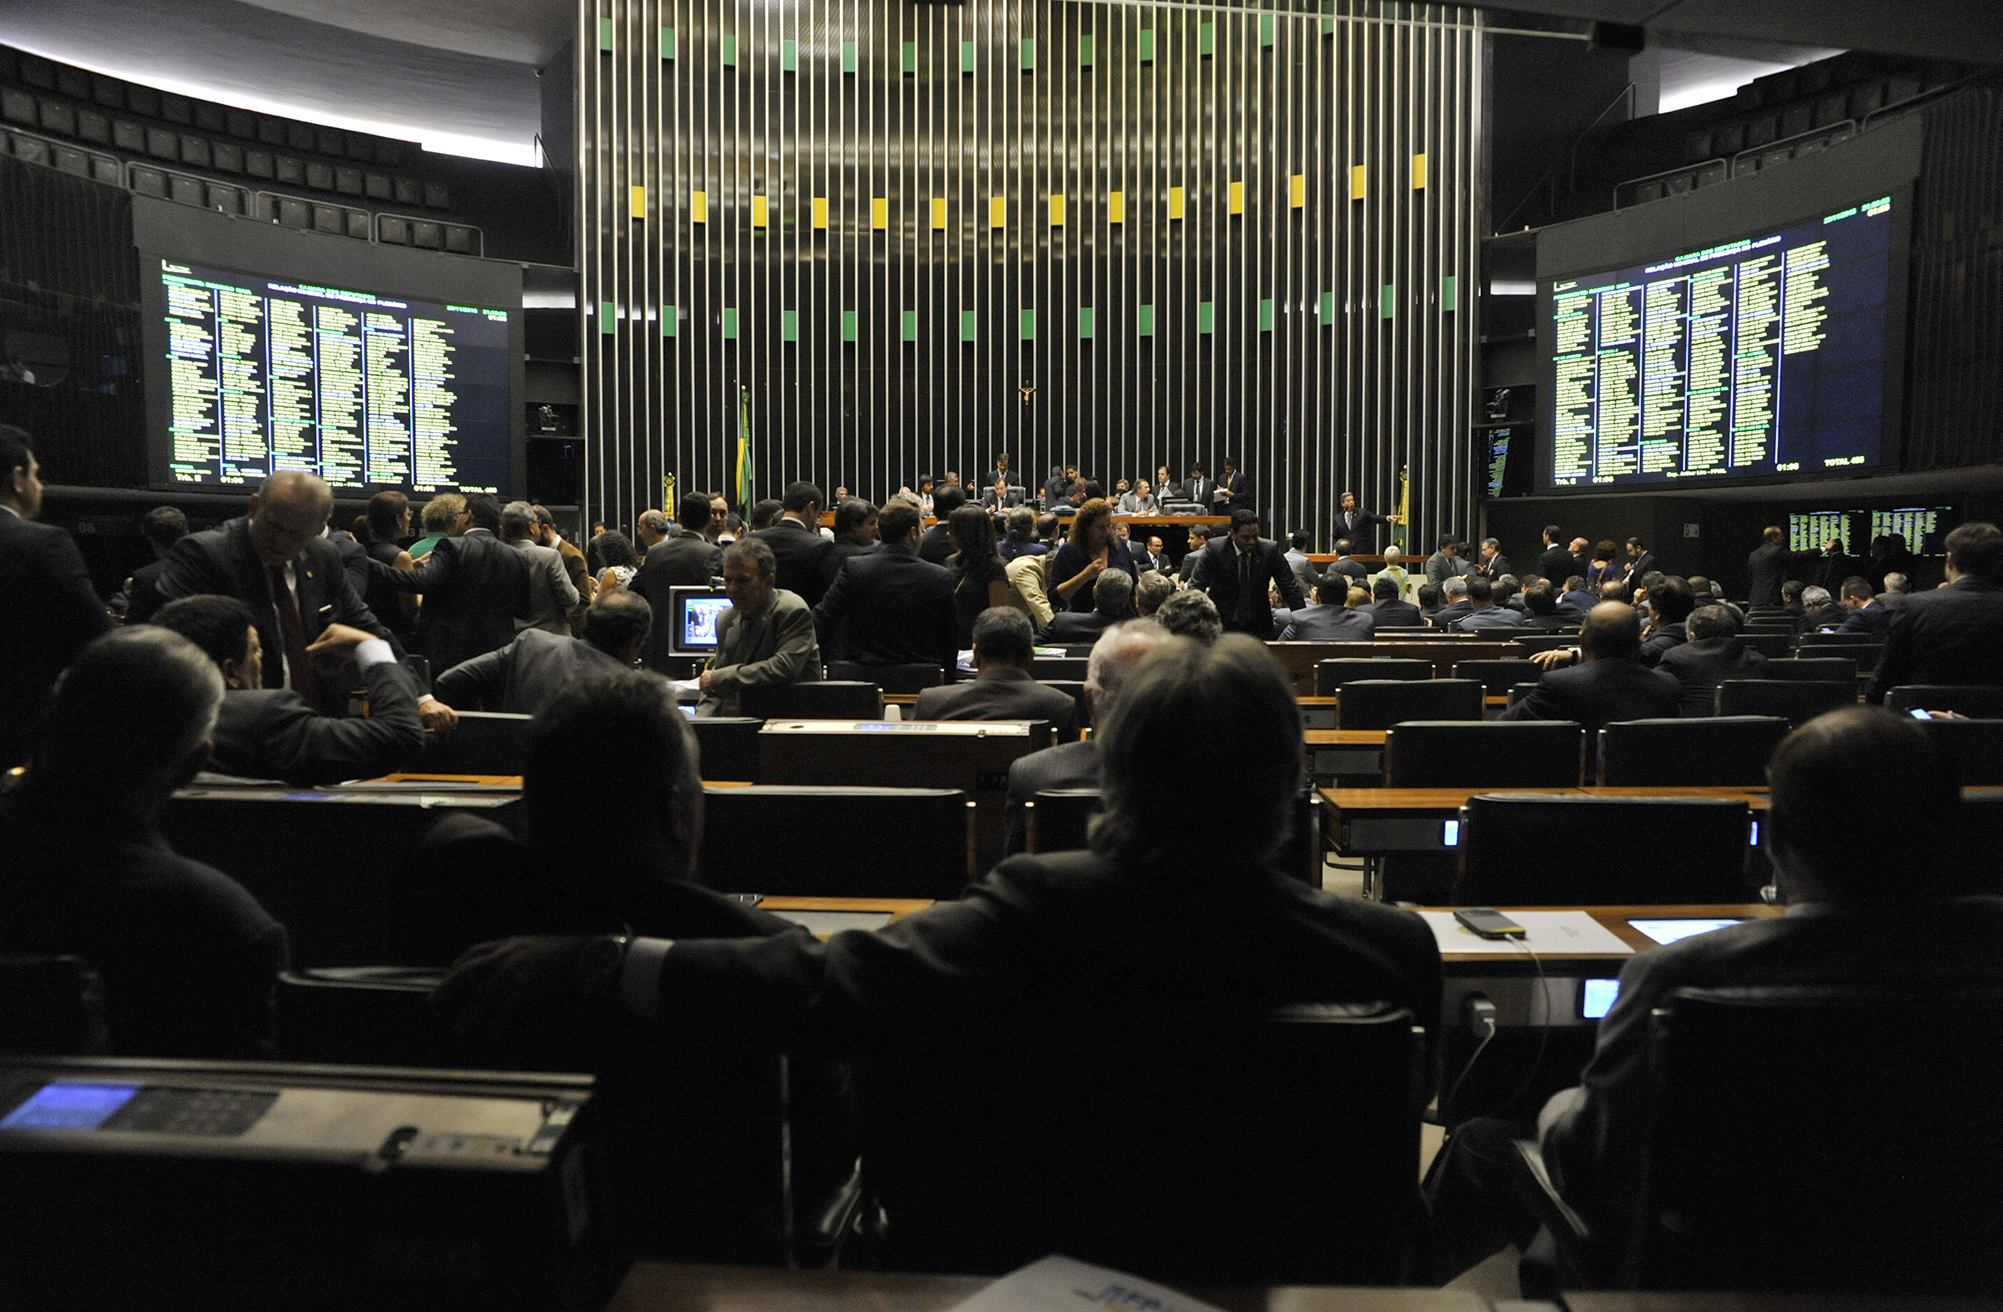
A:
x,y
997,212
1056,210
1419,171
1356,177
879,213
699,207
1116,207
1297,190
938,213
758,211
820,211
1175,202
1237,198
637,201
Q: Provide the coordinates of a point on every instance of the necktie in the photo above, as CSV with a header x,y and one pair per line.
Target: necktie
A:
x,y
298,666
1244,611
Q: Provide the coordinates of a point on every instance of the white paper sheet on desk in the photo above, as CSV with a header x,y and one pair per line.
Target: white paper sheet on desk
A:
x,y
1550,932
1061,1284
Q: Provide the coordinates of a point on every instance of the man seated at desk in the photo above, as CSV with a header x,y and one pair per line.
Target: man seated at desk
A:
x,y
1002,687
765,639
525,676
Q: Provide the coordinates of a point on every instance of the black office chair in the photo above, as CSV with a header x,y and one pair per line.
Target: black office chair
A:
x,y
1075,688
1518,691
1099,1131
1865,649
1381,703
1536,642
1059,820
729,746
485,742
1541,850
1975,745
1058,667
1483,754
1332,674
902,679
1781,623
1973,700
1720,751
1498,677
365,1015
1812,669
879,842
1816,1140
1773,646
1796,702
816,699
51,1005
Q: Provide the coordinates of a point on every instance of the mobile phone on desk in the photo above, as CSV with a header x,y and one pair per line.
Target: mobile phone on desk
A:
x,y
1487,922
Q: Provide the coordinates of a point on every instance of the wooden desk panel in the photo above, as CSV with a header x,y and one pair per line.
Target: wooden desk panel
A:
x,y
1301,658
1344,751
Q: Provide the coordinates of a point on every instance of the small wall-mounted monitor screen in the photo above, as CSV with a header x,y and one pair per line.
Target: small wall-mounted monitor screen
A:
x,y
1922,530
1812,530
1763,356
694,613
367,388
1498,459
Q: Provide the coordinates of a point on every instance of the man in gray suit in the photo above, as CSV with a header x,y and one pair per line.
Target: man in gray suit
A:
x,y
686,560
1330,620
1076,765
551,593
525,676
765,638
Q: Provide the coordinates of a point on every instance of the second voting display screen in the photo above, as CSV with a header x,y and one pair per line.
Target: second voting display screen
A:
x,y
1759,357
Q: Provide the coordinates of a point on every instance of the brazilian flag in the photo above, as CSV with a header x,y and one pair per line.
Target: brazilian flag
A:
x,y
744,471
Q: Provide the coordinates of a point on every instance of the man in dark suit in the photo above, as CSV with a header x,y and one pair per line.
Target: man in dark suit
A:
x,y
1357,572
275,561
1542,614
889,607
475,587
1235,572
48,609
1152,556
1770,564
1002,688
1641,562
807,561
1200,488
1482,612
1869,614
1112,602
1713,654
1359,526
1610,683
525,676
188,958
162,527
1490,563
686,560
1820,611
1000,496
1387,610
1558,563
1237,489
855,529
1953,634
937,543
1329,619
1670,602
1457,607
766,639
273,733
1867,905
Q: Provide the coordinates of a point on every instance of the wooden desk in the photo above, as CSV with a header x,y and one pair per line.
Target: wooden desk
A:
x,y
1614,919
402,779
1318,712
1378,821
1344,751
897,908
1301,658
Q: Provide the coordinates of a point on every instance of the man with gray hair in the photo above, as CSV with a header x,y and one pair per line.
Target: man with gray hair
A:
x,y
1154,588
1458,606
1112,601
1191,614
1822,611
189,959
1076,765
551,593
1001,688
767,636
653,529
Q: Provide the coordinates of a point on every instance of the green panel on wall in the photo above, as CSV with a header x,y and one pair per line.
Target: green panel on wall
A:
x,y
1266,24
1206,314
789,325
1144,321
966,325
1029,325
1449,294
1390,300
608,317
1147,45
911,325
730,325
1028,54
667,43
1206,38
789,56
669,321
1328,24
1266,316
1085,321
848,325
604,34
1085,51
910,57
848,56
729,51
1327,309
966,56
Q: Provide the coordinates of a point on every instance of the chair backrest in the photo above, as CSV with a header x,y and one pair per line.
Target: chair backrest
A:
x,y
1773,646
1796,702
1057,1147
1059,667
1825,1140
364,1015
1381,703
1812,669
51,1006
1059,820
1540,850
1518,691
884,842
1715,750
1865,648
485,742
1772,623
1498,677
1536,642
1332,674
729,745
1483,754
816,699
1978,701
1975,745
890,678
1075,689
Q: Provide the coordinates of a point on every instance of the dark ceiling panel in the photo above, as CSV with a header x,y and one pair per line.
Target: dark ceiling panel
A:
x,y
1937,29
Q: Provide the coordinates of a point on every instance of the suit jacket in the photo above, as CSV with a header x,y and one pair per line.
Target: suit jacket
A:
x,y
1393,614
1950,635
189,958
1596,1136
1360,527
1600,692
1305,570
1702,665
1202,491
475,587
1440,567
1328,624
1453,613
145,595
1008,501
775,646
1238,493
551,593
891,608
525,676
1073,627
48,611
222,561
1027,574
1769,566
936,544
1145,560
1001,692
1132,503
1823,617
274,733
1490,617
1663,639
1495,567
683,561
1054,927
1066,765
1637,569
1872,620
1217,574
1557,564
807,561
1580,602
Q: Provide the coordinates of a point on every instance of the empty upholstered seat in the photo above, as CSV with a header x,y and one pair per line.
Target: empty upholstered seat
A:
x,y
1483,754
485,742
1773,646
1059,667
890,678
729,746
1543,850
1332,674
1715,750
1812,669
1498,677
1975,745
816,699
885,842
1796,702
1381,703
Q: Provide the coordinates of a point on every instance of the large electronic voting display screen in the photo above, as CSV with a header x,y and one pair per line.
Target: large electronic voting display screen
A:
x,y
1766,356
370,388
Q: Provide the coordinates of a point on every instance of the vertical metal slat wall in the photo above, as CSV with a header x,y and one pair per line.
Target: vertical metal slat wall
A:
x,y
956,126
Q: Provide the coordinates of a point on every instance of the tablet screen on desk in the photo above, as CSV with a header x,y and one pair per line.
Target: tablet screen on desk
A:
x,y
1668,931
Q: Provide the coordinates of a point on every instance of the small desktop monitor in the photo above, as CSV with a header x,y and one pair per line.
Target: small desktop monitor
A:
x,y
694,612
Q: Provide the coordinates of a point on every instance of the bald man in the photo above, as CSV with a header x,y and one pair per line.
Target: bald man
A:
x,y
1608,681
274,560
